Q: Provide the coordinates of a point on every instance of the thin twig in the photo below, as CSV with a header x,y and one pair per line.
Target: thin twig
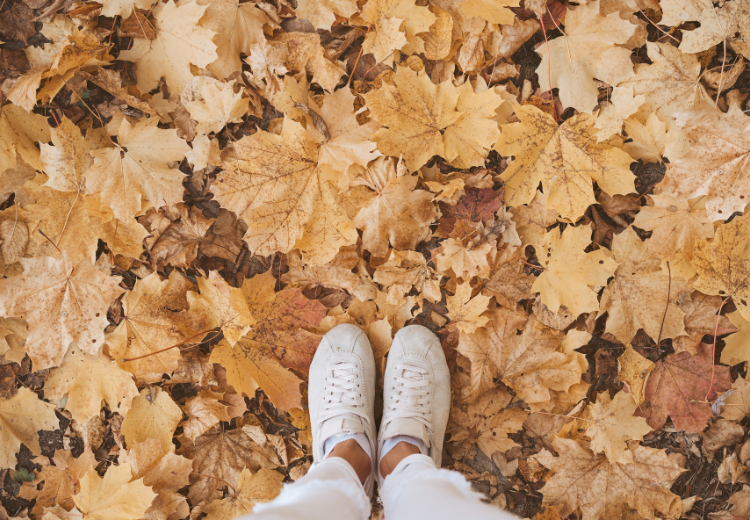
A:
x,y
549,63
50,241
566,416
713,347
666,308
169,348
358,57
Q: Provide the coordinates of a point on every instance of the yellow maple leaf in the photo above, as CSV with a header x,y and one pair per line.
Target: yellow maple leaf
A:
x,y
423,119
21,417
570,273
136,168
152,415
252,488
612,425
113,497
564,159
464,311
180,42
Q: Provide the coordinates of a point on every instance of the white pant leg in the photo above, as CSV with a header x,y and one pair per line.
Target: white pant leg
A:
x,y
331,490
417,489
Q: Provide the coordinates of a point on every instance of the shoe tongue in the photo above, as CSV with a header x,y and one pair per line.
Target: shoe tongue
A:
x,y
408,427
347,423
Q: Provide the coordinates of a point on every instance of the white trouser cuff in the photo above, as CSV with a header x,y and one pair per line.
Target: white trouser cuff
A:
x,y
421,467
334,474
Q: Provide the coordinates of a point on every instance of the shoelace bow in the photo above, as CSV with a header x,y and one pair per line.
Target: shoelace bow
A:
x,y
411,397
343,390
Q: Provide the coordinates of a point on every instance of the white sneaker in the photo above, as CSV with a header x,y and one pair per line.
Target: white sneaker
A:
x,y
341,390
417,391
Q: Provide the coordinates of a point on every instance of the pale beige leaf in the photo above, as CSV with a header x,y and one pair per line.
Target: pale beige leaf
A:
x,y
21,417
464,311
113,497
613,425
153,415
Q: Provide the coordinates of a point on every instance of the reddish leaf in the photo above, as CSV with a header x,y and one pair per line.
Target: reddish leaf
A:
x,y
474,205
677,387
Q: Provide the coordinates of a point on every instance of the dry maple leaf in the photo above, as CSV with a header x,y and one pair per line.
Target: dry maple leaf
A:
x,y
252,488
305,52
221,306
273,182
641,296
474,205
62,303
723,264
328,275
178,244
218,107
727,23
671,82
602,489
677,225
464,311
66,161
678,388
123,8
737,404
717,164
276,343
137,168
588,49
387,17
19,131
152,321
223,455
203,411
238,26
424,119
522,353
737,346
459,254
346,143
437,41
322,13
569,273
634,370
180,43
613,425
59,481
21,417
153,415
533,219
508,283
702,317
397,213
405,270
564,159
165,473
88,380
113,497
622,105
658,137
486,423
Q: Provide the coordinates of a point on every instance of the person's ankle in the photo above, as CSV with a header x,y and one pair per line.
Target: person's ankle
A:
x,y
352,452
398,453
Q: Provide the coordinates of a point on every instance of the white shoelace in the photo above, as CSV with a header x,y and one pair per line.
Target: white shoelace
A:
x,y
411,398
343,393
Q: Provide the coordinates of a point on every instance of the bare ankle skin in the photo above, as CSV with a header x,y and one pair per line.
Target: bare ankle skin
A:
x,y
399,452
353,453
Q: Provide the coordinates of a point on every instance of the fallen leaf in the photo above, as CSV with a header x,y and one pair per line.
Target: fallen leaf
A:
x,y
588,49
563,158
678,388
262,486
723,264
466,312
87,380
21,417
641,296
613,425
603,489
153,415
62,303
634,370
60,481
485,422
137,168
522,353
113,497
223,455
569,273
203,411
178,244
